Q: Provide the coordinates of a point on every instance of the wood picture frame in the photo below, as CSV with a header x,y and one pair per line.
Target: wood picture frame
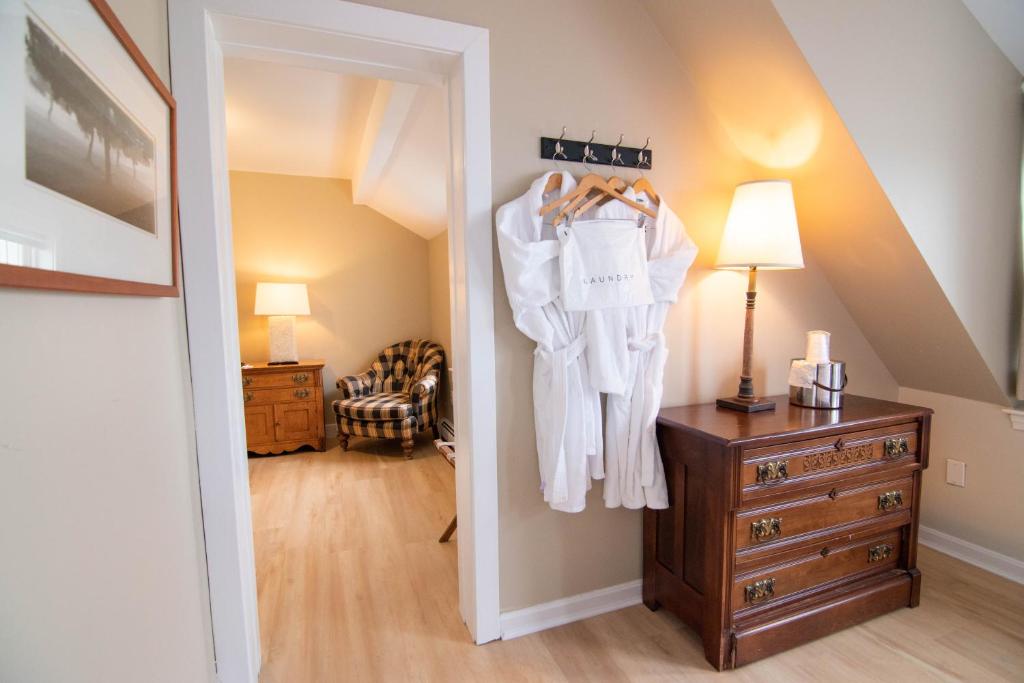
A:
x,y
51,279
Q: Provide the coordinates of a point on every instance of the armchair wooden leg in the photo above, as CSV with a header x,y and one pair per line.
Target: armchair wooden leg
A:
x,y
407,448
449,531
437,431
343,441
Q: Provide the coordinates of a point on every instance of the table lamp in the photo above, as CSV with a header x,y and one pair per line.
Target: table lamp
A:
x,y
760,233
282,302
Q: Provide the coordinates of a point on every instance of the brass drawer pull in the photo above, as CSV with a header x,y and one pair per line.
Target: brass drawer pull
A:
x,y
893,448
759,591
825,552
301,393
765,529
882,551
246,381
248,396
300,378
890,500
776,470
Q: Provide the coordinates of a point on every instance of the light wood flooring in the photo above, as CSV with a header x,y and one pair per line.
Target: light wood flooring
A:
x,y
353,586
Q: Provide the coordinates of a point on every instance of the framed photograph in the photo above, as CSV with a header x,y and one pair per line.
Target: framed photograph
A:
x,y
88,191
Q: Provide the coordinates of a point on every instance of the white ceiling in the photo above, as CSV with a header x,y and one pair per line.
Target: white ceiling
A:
x,y
390,140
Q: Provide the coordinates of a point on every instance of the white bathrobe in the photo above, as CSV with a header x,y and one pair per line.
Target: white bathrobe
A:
x,y
567,409
635,358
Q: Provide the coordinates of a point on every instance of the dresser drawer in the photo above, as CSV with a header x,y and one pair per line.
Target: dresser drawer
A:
x,y
256,397
286,378
789,467
826,564
766,529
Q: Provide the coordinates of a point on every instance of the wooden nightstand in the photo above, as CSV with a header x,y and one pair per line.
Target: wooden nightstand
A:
x,y
785,525
284,406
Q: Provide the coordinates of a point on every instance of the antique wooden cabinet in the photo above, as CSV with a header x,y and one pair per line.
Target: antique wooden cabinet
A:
x,y
785,525
284,406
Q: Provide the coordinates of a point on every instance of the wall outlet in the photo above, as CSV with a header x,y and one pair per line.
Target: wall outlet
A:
x,y
956,473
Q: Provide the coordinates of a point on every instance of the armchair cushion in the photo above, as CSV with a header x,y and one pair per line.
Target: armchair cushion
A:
x,y
376,407
356,385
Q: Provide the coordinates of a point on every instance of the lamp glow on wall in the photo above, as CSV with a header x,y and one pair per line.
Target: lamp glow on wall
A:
x,y
760,233
282,302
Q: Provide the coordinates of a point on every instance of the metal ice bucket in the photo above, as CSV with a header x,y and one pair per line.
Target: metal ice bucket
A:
x,y
827,389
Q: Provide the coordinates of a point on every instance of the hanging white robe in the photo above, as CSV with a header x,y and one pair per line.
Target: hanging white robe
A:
x,y
634,475
567,409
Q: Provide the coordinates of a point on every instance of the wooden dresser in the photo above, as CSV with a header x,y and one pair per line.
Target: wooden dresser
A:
x,y
284,406
786,525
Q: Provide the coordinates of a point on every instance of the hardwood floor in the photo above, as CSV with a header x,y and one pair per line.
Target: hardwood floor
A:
x,y
353,586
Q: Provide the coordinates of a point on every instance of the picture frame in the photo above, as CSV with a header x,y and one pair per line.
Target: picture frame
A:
x,y
91,203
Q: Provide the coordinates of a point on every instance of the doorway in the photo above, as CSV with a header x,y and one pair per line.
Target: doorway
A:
x,y
328,35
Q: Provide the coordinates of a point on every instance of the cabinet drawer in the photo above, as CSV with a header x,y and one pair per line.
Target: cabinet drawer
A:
x,y
256,397
768,528
286,378
824,565
783,468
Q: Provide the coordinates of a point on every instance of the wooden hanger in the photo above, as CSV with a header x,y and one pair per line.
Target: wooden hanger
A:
x,y
643,185
593,181
586,184
615,181
554,182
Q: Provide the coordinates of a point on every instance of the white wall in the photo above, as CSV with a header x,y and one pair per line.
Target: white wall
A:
x,y
103,575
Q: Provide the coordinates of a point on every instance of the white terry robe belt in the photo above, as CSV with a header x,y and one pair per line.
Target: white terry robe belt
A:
x,y
643,346
555,483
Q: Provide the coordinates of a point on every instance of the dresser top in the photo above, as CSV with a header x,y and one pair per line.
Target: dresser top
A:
x,y
301,365
732,427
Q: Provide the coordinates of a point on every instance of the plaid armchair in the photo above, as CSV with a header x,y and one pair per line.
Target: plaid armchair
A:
x,y
396,398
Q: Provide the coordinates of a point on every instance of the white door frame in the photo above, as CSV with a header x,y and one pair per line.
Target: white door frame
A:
x,y
343,36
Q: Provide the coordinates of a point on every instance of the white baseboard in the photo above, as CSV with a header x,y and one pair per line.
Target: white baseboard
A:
x,y
547,615
989,560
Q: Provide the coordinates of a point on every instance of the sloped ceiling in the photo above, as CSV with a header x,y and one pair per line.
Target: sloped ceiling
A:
x,y
754,78
293,120
1003,20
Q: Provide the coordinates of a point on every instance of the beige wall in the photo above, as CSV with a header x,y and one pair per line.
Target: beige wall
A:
x,y
367,275
935,108
441,312
988,511
103,574
632,84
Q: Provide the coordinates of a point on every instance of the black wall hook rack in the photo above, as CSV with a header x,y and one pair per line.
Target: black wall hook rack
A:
x,y
560,149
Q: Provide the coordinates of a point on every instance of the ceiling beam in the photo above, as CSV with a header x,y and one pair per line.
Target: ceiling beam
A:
x,y
389,112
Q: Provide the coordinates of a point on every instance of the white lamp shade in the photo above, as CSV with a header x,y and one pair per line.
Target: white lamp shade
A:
x,y
761,230
280,298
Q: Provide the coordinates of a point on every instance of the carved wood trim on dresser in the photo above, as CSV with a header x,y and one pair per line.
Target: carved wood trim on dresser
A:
x,y
284,407
787,525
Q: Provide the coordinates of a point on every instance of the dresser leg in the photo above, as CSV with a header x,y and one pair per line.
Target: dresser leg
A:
x,y
407,448
915,587
343,441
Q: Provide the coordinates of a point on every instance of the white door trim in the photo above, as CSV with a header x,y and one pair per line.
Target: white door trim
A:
x,y
390,44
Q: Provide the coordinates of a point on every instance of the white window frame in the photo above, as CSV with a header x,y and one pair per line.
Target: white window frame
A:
x,y
342,36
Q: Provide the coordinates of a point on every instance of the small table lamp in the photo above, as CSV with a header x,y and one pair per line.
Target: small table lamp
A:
x,y
282,302
761,232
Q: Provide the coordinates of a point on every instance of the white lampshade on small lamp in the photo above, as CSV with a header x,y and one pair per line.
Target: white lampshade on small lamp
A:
x,y
761,232
282,302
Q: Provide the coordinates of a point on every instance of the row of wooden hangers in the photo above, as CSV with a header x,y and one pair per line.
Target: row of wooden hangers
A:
x,y
579,200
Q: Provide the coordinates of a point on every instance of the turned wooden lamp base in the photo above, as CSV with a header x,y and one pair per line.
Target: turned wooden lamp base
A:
x,y
745,401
